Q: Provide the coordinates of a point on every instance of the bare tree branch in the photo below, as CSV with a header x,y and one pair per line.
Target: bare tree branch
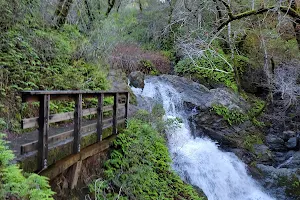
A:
x,y
289,11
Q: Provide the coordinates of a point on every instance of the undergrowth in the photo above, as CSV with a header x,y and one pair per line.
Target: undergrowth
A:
x,y
15,184
44,59
140,166
210,68
235,116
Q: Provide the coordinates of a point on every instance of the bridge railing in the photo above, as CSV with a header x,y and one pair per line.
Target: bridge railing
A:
x,y
121,103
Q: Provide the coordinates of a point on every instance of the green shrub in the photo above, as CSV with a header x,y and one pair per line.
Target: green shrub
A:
x,y
16,184
233,116
250,140
140,168
207,71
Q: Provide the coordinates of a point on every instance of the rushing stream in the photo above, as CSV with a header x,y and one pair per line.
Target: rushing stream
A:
x,y
221,175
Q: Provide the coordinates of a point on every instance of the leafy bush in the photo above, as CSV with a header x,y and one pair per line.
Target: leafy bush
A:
x,y
16,185
133,58
235,116
139,168
43,59
208,68
250,140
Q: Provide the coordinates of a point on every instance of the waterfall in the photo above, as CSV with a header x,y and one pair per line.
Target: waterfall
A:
x,y
199,161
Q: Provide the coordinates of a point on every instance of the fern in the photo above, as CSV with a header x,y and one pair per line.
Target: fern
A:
x,y
16,184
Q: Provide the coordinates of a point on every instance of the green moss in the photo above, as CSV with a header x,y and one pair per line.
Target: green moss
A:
x,y
250,140
233,116
292,186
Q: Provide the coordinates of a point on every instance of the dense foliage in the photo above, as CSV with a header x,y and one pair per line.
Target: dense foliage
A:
x,y
139,168
17,185
250,46
38,57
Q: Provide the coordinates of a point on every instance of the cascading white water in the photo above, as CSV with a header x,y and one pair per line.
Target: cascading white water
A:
x,y
221,175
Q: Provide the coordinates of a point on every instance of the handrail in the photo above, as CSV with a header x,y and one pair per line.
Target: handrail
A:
x,y
45,119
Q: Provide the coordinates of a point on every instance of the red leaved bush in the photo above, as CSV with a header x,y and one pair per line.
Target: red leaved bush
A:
x,y
131,58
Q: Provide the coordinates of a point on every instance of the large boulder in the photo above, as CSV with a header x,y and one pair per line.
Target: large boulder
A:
x,y
136,79
283,183
276,143
292,143
195,94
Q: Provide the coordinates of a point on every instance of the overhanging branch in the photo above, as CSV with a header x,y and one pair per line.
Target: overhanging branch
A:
x,y
289,11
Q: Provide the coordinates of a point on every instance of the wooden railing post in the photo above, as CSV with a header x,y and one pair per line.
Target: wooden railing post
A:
x,y
116,99
100,117
77,123
43,131
127,106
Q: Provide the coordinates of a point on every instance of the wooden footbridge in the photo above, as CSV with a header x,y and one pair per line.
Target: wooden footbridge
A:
x,y
58,148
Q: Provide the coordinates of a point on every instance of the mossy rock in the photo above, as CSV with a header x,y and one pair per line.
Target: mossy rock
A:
x,y
292,186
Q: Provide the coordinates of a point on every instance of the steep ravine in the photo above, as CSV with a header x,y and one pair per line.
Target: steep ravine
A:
x,y
198,147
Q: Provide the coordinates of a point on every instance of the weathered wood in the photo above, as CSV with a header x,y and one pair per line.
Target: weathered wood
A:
x,y
76,168
67,92
33,122
32,146
43,131
32,96
77,123
127,106
64,140
116,101
100,117
67,162
62,149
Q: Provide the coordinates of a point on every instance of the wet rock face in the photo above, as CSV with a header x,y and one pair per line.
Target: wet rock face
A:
x,y
136,79
199,101
195,94
292,143
275,143
283,182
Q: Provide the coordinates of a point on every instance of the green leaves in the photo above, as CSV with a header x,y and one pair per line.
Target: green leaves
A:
x,y
139,168
14,183
209,67
233,116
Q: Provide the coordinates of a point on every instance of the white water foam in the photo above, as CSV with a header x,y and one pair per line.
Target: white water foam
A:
x,y
221,175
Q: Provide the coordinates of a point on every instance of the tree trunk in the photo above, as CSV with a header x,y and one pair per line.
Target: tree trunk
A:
x,y
267,68
111,4
140,5
295,4
62,12
231,45
89,13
